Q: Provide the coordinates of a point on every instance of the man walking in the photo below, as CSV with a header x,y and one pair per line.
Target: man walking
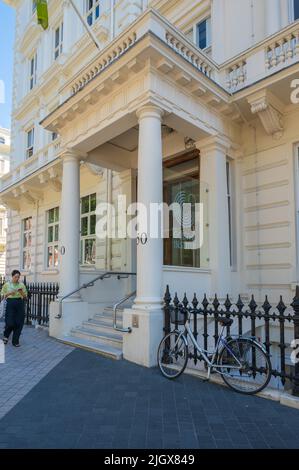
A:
x,y
15,293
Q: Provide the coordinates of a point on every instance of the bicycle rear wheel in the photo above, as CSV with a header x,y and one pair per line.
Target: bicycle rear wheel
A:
x,y
255,371
172,355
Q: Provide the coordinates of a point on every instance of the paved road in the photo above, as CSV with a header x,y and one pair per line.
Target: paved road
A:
x,y
87,401
25,367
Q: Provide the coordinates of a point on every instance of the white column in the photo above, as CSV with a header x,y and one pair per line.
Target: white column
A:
x,y
70,224
213,152
150,190
146,318
273,16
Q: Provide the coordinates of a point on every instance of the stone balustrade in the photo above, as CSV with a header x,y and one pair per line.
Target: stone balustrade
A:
x,y
282,50
101,63
38,160
189,52
236,75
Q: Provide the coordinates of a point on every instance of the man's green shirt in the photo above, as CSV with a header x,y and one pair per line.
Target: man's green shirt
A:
x,y
11,287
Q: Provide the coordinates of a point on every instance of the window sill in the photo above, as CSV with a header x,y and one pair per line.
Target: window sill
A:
x,y
26,273
87,268
185,269
48,272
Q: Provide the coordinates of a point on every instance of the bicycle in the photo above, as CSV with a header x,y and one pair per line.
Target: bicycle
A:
x,y
242,362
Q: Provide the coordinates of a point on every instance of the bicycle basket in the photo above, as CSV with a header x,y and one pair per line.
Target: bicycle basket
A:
x,y
178,317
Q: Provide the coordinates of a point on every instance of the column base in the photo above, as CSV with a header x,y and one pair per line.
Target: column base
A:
x,y
73,314
141,345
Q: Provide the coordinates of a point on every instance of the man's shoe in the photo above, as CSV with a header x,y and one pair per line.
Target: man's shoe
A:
x,y
5,340
16,345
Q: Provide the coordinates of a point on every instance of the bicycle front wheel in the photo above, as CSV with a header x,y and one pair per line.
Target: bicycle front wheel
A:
x,y
246,368
172,355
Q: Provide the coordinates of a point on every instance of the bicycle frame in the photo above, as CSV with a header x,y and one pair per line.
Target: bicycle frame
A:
x,y
205,354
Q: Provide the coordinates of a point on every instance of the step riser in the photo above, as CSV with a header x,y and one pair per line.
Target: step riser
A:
x,y
107,320
98,349
102,339
103,329
108,317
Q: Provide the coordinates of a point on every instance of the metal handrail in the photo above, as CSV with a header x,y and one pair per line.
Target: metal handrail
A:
x,y
106,275
116,306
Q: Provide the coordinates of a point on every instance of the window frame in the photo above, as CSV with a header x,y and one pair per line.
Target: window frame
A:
x,y
30,148
58,49
33,71
188,156
208,22
92,12
54,243
292,11
89,236
27,249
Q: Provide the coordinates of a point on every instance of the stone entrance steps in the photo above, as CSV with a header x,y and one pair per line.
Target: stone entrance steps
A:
x,y
98,335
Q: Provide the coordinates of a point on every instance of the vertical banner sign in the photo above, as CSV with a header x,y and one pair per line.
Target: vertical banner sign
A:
x,y
42,13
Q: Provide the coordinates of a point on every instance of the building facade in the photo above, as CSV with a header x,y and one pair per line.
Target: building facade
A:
x,y
184,101
4,168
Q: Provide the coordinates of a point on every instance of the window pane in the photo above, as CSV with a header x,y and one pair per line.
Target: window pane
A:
x,y
26,260
92,224
85,205
296,9
56,256
93,202
84,226
50,257
202,34
50,235
81,251
56,214
51,216
56,235
89,252
181,186
57,36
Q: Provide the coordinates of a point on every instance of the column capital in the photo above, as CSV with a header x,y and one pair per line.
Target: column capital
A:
x,y
72,155
149,111
215,142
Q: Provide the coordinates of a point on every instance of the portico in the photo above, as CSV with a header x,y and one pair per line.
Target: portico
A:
x,y
140,111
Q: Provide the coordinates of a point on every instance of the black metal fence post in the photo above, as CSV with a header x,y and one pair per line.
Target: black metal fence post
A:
x,y
295,306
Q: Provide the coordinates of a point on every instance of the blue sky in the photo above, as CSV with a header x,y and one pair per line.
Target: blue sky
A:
x,y
7,20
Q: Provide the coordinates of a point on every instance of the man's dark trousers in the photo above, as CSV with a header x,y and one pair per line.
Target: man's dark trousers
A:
x,y
14,319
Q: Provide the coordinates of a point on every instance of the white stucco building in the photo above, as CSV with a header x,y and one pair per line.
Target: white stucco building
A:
x,y
183,97
4,168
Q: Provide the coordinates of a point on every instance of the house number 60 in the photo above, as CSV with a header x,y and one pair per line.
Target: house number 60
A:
x,y
142,239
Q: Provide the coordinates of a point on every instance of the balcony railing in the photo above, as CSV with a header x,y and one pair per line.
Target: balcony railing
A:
x,y
150,21
34,163
265,58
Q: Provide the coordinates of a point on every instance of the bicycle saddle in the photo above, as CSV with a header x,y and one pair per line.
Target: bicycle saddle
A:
x,y
225,321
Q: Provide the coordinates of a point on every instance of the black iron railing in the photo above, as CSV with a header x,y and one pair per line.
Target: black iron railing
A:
x,y
251,319
37,306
